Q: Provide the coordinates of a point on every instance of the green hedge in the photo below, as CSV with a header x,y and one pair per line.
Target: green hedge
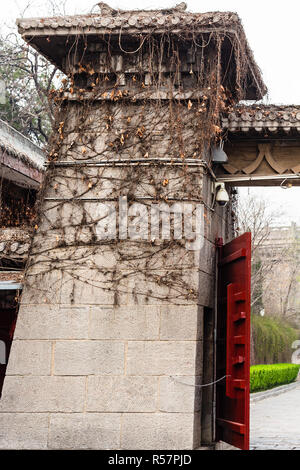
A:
x,y
272,340
265,376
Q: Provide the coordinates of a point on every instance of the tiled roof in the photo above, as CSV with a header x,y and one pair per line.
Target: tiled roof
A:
x,y
11,277
261,118
51,36
16,144
133,21
14,243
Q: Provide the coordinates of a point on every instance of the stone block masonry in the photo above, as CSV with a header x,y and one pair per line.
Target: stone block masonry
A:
x,y
76,391
108,347
89,371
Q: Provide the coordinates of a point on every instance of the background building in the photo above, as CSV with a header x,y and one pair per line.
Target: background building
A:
x,y
21,174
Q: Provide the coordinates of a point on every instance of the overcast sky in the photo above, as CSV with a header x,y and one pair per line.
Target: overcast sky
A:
x,y
272,28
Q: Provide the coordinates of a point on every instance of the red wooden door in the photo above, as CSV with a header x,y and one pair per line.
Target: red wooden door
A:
x,y
8,316
233,342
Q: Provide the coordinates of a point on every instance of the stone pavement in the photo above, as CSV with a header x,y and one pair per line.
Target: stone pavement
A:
x,y
275,421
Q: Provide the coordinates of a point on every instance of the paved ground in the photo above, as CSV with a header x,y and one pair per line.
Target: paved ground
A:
x,y
275,422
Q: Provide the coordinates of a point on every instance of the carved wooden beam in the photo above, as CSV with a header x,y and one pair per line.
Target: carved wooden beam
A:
x,y
250,160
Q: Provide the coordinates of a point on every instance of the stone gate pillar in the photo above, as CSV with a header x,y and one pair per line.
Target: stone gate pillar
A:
x,y
107,352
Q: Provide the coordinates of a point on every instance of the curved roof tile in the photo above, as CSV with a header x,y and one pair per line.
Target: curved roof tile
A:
x,y
262,118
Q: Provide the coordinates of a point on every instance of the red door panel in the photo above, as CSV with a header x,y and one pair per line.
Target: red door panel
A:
x,y
233,342
8,317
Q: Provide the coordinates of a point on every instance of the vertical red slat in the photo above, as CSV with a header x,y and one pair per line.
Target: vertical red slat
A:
x,y
8,316
233,342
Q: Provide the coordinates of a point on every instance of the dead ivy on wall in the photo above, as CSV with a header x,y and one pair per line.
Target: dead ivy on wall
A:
x,y
136,117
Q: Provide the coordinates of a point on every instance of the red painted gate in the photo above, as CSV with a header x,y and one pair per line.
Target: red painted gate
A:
x,y
233,342
8,317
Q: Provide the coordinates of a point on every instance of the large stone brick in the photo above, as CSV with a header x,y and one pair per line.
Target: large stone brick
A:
x,y
42,394
91,287
50,217
84,431
88,357
181,322
179,394
157,431
161,357
30,358
42,288
130,322
109,181
104,257
145,291
205,289
20,431
52,322
121,394
206,260
172,257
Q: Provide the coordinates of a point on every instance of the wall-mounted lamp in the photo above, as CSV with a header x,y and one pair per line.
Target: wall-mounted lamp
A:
x,y
218,155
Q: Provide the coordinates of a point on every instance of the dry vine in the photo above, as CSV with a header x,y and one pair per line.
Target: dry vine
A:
x,y
168,107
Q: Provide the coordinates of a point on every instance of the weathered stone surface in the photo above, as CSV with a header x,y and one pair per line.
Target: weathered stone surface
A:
x,y
108,180
129,322
145,291
52,322
121,394
91,287
29,358
218,225
207,395
205,289
23,431
88,357
181,322
161,357
157,431
51,212
42,288
105,257
42,394
84,431
179,394
206,257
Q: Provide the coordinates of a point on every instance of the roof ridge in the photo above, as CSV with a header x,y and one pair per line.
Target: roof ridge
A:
x,y
107,9
118,12
263,117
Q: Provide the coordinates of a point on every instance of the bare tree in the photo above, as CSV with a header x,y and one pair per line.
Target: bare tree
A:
x,y
254,217
29,79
